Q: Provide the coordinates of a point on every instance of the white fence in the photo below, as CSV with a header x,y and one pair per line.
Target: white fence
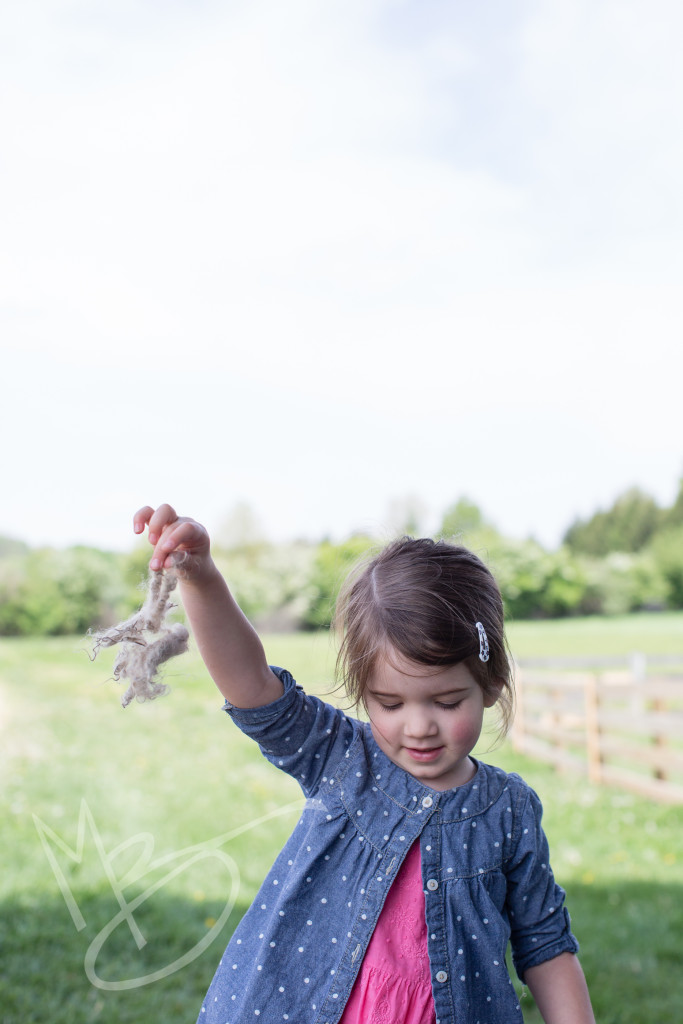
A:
x,y
619,725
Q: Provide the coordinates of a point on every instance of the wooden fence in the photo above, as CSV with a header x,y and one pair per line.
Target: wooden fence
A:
x,y
620,725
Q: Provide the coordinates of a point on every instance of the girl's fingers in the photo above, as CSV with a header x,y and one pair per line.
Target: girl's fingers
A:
x,y
169,533
142,517
186,535
164,516
156,520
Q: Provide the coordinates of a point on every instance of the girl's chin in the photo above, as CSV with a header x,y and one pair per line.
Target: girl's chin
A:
x,y
439,775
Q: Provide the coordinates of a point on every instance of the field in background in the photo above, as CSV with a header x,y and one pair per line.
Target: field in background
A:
x,y
598,636
154,780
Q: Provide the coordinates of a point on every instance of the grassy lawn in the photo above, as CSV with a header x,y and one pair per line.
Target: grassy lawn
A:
x,y
619,635
156,783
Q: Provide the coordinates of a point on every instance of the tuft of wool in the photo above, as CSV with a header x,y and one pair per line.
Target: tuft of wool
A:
x,y
142,650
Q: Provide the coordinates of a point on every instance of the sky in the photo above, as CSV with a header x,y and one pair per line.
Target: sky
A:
x,y
330,259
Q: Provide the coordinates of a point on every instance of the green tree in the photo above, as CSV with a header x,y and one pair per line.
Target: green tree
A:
x,y
462,517
330,567
628,526
674,516
667,553
29,596
271,583
11,548
536,583
53,592
623,582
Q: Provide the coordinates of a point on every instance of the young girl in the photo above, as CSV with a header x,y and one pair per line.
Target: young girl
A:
x,y
412,864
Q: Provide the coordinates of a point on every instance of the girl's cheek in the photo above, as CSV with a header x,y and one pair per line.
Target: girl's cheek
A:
x,y
379,732
466,731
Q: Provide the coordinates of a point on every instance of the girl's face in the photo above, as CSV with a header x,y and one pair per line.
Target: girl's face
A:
x,y
427,720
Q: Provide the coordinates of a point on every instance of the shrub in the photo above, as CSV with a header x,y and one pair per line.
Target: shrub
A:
x,y
330,567
667,554
622,583
52,592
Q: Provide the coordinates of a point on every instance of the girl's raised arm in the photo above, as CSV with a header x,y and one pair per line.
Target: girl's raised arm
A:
x,y
227,642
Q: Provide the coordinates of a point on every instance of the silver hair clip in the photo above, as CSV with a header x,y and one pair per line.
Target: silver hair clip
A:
x,y
483,643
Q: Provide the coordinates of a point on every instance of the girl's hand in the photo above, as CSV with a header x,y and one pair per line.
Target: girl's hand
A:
x,y
227,642
179,543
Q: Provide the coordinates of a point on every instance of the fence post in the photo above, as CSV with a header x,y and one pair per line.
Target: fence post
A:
x,y
592,709
556,717
659,740
639,673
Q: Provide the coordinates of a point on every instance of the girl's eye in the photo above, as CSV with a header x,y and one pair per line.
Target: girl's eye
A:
x,y
390,707
449,707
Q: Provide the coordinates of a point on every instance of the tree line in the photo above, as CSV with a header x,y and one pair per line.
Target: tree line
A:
x,y
623,559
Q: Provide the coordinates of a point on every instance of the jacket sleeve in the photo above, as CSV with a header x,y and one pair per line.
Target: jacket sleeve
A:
x,y
298,733
539,921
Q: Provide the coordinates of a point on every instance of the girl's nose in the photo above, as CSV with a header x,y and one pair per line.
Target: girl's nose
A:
x,y
420,723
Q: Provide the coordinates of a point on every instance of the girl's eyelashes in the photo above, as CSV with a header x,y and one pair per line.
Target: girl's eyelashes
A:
x,y
446,705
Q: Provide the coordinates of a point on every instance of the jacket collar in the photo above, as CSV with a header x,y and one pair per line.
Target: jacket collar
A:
x,y
412,796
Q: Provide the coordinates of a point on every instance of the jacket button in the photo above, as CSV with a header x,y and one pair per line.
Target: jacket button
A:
x,y
432,885
427,801
441,976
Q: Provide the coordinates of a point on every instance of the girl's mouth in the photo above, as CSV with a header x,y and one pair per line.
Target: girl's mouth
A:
x,y
424,755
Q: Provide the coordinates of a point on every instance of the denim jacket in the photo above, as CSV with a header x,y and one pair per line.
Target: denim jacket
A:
x,y
485,870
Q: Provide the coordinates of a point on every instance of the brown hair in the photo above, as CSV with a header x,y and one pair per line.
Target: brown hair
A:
x,y
423,598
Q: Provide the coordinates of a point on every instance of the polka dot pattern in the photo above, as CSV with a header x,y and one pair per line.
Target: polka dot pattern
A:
x,y
323,895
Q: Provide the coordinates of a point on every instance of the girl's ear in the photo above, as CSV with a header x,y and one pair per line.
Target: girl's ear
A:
x,y
495,692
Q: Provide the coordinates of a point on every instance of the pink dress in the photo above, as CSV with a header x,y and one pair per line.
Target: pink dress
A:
x,y
394,983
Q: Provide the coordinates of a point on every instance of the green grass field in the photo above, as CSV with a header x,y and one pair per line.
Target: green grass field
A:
x,y
153,785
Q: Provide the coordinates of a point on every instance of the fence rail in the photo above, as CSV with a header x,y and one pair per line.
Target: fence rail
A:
x,y
620,726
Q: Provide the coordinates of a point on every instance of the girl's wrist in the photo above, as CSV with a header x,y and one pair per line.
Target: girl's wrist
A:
x,y
197,572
